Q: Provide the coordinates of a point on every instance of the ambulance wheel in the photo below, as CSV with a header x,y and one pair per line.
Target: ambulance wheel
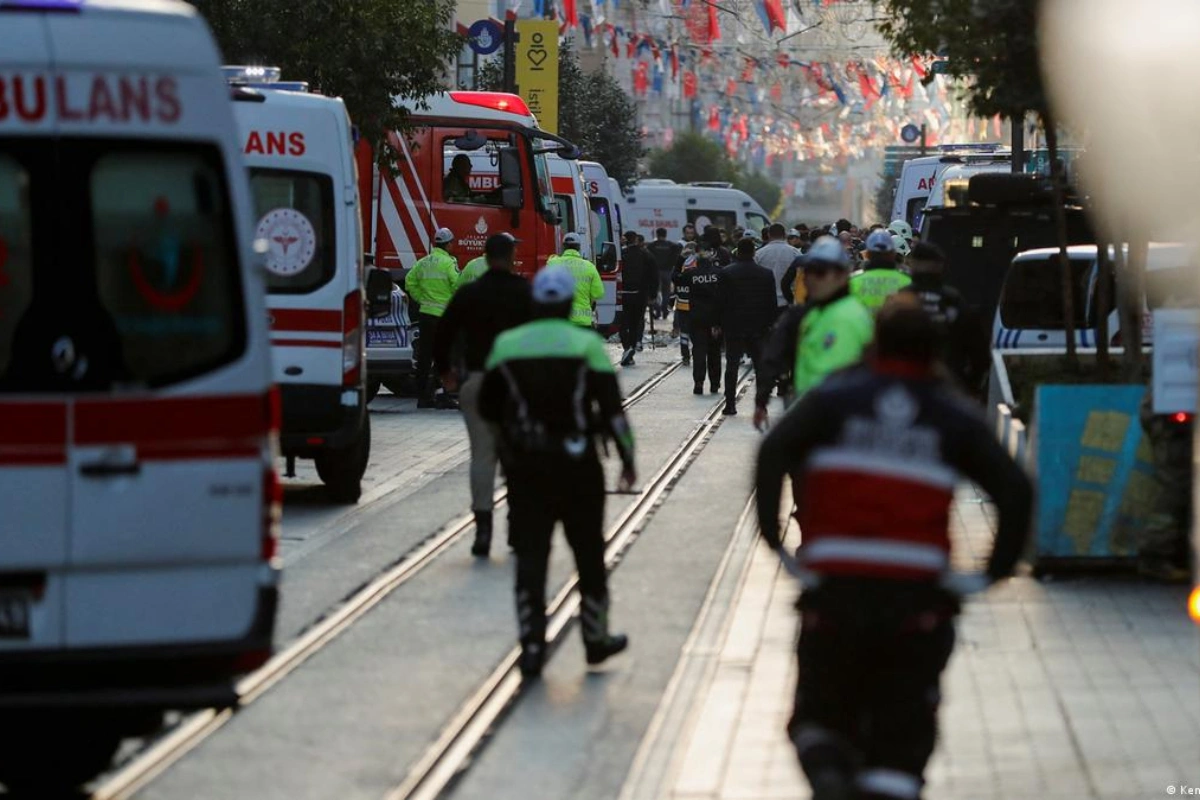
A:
x,y
373,385
342,470
46,758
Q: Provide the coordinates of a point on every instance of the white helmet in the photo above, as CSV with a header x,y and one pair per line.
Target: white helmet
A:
x,y
443,236
829,251
901,244
901,228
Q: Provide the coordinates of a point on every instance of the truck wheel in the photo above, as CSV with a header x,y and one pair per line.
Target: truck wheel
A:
x,y
341,470
373,385
44,759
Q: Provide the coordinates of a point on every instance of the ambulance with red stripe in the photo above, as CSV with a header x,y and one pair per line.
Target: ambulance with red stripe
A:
x,y
408,204
299,147
140,504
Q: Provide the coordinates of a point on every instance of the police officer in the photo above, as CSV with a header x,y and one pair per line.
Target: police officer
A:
x,y
746,294
876,451
704,318
639,285
681,282
835,329
879,279
965,350
552,390
666,254
589,289
479,312
431,283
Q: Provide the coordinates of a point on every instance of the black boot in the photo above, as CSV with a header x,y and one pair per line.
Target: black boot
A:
x,y
483,534
698,388
531,621
598,643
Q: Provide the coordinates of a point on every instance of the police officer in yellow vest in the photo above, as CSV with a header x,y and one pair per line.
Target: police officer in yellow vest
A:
x,y
589,289
431,283
880,278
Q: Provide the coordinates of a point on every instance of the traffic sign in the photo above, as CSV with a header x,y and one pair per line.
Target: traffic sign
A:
x,y
910,133
485,37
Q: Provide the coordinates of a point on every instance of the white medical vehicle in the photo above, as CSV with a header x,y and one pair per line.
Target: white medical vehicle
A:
x,y
138,425
657,203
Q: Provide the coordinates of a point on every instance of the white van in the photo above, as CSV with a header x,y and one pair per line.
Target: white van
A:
x,y
952,183
655,203
299,148
603,196
137,420
1030,311
918,182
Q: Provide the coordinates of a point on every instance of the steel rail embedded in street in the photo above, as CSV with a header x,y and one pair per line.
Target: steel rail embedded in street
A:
x,y
467,731
143,768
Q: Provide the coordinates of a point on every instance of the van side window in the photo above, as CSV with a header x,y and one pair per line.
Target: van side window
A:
x,y
165,260
566,211
601,223
1032,298
16,270
295,221
471,177
702,219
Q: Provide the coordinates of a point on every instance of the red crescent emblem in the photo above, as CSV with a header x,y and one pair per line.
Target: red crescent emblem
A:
x,y
168,301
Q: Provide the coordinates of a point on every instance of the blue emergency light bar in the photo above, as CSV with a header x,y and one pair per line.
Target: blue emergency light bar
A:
x,y
261,78
40,5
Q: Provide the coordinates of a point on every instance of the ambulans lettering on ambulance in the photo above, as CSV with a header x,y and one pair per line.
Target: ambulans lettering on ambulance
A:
x,y
435,183
137,421
657,203
299,148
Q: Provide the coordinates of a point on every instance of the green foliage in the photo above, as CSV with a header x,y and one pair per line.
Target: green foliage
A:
x,y
364,51
693,157
593,113
990,43
696,157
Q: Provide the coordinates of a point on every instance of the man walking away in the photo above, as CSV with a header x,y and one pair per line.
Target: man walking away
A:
x,y
666,256
639,284
880,278
704,320
431,283
589,289
877,451
965,349
481,311
553,392
681,281
746,293
777,256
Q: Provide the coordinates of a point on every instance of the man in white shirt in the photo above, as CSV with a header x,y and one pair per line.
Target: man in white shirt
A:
x,y
777,255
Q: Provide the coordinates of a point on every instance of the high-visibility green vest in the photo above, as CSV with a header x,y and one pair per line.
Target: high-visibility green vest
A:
x,y
873,287
432,281
588,286
474,268
831,337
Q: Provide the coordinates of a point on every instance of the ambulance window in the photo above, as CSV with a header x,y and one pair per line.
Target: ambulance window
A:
x,y
566,211
471,176
16,273
545,190
722,219
756,222
601,224
294,219
166,260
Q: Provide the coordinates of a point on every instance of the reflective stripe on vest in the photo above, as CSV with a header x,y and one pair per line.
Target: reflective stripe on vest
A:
x,y
873,552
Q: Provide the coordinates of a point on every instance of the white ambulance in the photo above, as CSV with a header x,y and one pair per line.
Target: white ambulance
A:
x,y
660,203
137,421
299,147
604,196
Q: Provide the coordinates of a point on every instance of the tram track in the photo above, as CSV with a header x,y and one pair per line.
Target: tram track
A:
x,y
185,736
469,728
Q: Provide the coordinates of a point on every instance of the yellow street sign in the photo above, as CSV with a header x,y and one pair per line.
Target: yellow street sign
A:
x,y
537,69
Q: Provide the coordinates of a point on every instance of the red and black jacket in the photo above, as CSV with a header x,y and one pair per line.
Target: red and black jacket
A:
x,y
878,450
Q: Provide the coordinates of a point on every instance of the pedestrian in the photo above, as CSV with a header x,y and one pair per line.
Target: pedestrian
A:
x,y
689,233
1163,541
666,257
714,242
431,283
879,279
793,238
589,289
746,293
639,286
704,318
479,312
777,363
836,329
875,453
681,282
553,393
965,350
777,256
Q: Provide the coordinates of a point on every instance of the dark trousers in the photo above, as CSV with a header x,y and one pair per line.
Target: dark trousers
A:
x,y
426,383
633,319
870,665
665,296
736,346
683,320
542,492
706,355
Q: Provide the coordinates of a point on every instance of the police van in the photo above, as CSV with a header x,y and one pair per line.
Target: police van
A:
x,y
137,421
299,148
